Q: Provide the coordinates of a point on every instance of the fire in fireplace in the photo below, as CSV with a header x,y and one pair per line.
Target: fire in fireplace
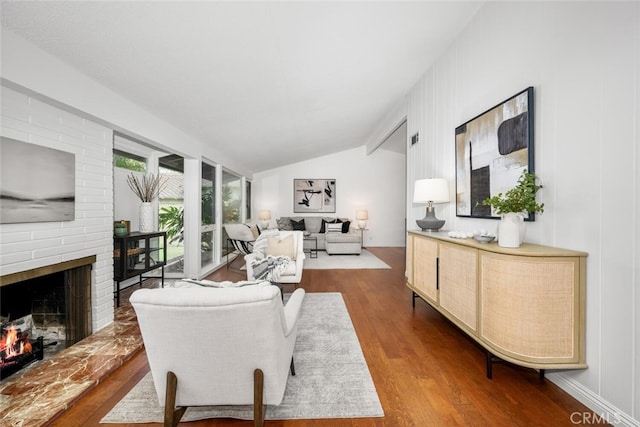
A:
x,y
43,311
17,349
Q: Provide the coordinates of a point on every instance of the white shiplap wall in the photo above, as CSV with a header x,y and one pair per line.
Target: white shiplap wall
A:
x,y
583,59
31,245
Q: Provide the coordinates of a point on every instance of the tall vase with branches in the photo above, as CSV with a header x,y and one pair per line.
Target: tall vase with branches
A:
x,y
147,188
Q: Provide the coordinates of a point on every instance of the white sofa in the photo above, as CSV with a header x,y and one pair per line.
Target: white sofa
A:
x,y
241,336
313,227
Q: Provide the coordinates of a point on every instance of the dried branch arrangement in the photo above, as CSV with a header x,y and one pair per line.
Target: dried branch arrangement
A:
x,y
146,187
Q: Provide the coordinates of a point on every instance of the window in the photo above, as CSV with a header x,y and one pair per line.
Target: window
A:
x,y
171,203
231,202
129,161
208,209
247,203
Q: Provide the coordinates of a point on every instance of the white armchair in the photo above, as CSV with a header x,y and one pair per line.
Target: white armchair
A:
x,y
293,272
242,339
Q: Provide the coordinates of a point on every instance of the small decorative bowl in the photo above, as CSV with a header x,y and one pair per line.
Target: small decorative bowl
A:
x,y
484,238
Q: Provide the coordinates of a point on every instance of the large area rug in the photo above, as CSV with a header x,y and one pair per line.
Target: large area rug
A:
x,y
332,378
366,260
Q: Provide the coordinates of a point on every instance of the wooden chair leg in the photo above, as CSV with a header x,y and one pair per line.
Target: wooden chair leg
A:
x,y
258,406
172,415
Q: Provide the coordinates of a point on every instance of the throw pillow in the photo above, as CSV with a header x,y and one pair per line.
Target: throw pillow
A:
x,y
255,231
345,226
283,223
324,222
298,225
312,224
260,245
334,228
280,247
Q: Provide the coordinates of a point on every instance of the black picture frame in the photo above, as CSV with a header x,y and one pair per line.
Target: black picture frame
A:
x,y
314,195
492,150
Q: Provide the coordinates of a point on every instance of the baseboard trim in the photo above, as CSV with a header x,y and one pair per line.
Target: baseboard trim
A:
x,y
604,410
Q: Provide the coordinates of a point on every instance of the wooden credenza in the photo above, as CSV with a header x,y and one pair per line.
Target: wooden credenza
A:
x,y
525,305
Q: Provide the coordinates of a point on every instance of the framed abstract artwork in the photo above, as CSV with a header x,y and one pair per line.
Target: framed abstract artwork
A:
x,y
314,195
37,184
492,150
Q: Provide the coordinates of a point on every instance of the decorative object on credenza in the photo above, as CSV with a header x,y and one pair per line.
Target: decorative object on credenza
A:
x,y
484,238
513,206
120,228
492,150
147,188
430,191
314,195
265,217
362,216
37,184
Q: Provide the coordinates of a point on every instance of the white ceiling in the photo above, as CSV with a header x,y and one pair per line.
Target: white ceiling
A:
x,y
266,83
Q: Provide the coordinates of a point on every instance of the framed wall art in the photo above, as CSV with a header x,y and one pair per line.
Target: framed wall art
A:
x,y
492,150
37,184
314,195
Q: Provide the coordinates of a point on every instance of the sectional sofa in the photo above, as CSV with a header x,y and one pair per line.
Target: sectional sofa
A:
x,y
343,239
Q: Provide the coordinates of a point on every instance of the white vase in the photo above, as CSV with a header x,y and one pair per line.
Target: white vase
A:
x,y
511,230
146,217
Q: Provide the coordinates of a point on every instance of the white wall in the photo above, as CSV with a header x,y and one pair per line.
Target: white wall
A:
x,y
31,245
583,59
374,182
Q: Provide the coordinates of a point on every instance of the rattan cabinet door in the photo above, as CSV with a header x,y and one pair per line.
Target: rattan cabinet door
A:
x,y
458,284
530,307
425,258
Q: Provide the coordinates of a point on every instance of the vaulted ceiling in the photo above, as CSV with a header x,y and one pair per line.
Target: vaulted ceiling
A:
x,y
270,83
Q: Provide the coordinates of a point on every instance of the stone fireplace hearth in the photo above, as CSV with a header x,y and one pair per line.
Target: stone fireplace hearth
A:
x,y
57,301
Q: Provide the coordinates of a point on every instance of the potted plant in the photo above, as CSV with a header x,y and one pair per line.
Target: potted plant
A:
x,y
147,188
512,206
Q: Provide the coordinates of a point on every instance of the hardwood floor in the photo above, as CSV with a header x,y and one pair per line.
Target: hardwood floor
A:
x,y
426,371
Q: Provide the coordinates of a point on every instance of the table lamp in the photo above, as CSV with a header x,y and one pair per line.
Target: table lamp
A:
x,y
362,216
265,216
430,191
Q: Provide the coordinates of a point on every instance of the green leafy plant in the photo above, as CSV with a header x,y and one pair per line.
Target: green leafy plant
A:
x,y
172,221
146,187
521,198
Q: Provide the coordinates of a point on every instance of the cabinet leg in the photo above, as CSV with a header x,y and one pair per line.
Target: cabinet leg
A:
x,y
413,299
541,374
489,365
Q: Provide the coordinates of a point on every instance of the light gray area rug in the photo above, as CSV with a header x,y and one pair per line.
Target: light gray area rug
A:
x,y
332,378
366,260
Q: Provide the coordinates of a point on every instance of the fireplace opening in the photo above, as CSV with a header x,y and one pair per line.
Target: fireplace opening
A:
x,y
42,315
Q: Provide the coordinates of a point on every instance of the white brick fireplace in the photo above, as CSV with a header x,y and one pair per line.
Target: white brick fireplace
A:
x,y
33,245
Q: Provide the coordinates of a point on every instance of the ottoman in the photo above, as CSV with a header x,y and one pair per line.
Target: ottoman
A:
x,y
343,243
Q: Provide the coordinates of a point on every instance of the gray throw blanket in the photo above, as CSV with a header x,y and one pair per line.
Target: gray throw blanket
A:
x,y
270,267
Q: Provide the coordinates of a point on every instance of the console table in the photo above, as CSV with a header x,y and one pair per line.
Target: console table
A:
x,y
524,305
137,254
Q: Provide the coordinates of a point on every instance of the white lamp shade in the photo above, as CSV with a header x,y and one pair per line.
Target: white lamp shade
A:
x,y
264,215
434,190
362,215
